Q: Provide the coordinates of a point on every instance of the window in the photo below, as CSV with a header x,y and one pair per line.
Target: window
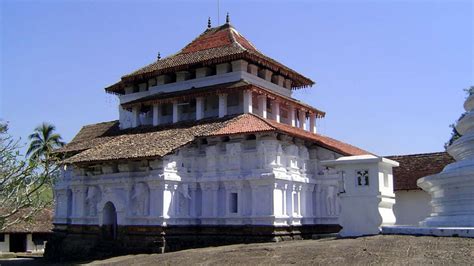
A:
x,y
39,239
362,177
385,180
295,203
233,99
234,204
189,107
2,237
166,109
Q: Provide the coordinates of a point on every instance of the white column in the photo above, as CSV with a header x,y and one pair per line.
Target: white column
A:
x,y
292,116
248,101
175,112
276,110
262,105
192,202
135,116
156,114
312,123
222,105
299,202
215,199
302,118
199,108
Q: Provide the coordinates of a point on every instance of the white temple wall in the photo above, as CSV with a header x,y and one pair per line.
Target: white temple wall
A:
x,y
411,206
261,180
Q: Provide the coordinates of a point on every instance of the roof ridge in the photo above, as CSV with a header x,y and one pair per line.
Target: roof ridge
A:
x,y
264,120
419,154
100,123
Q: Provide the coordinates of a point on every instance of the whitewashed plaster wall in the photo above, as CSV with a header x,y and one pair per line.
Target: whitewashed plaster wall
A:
x,y
5,245
273,181
32,247
367,196
411,206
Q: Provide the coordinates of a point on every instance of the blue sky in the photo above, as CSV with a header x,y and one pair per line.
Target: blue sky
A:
x,y
389,74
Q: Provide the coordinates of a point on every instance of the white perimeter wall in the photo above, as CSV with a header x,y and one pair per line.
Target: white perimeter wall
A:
x,y
411,206
5,245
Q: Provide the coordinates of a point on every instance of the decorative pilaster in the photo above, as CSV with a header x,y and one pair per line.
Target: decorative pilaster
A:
x,y
192,200
210,199
78,201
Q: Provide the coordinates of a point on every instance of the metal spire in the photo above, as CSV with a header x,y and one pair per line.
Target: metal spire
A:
x,y
227,18
209,23
159,56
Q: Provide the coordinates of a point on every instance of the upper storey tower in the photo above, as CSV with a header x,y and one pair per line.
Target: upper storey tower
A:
x,y
219,73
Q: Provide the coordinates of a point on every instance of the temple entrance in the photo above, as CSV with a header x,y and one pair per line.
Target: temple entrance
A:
x,y
18,242
109,224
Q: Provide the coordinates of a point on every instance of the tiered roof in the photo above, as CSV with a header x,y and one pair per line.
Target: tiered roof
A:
x,y
415,166
230,87
39,222
215,45
155,142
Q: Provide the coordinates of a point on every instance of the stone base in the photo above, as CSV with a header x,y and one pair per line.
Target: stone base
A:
x,y
82,242
429,231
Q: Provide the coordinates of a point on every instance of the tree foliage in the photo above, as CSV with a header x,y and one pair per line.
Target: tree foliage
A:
x,y
455,134
25,183
43,141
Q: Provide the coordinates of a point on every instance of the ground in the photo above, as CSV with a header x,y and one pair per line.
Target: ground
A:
x,y
364,250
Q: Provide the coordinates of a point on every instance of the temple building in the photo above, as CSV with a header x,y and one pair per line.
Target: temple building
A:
x,y
210,148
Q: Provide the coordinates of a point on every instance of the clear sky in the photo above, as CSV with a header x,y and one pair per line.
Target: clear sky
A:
x,y
389,74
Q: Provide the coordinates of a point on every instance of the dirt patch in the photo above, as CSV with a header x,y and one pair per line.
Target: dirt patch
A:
x,y
364,250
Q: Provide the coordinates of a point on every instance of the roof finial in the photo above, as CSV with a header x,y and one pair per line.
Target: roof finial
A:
x,y
159,56
227,18
209,23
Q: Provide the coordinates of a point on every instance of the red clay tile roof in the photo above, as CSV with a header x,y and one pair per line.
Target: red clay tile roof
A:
x,y
247,123
40,222
216,45
251,123
90,136
415,166
149,142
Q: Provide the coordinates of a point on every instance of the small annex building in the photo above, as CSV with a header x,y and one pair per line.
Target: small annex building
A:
x,y
412,203
27,235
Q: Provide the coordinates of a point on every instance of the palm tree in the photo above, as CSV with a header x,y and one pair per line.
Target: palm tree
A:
x,y
43,142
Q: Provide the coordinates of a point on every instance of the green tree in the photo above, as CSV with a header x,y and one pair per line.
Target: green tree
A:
x,y
25,183
455,134
43,142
